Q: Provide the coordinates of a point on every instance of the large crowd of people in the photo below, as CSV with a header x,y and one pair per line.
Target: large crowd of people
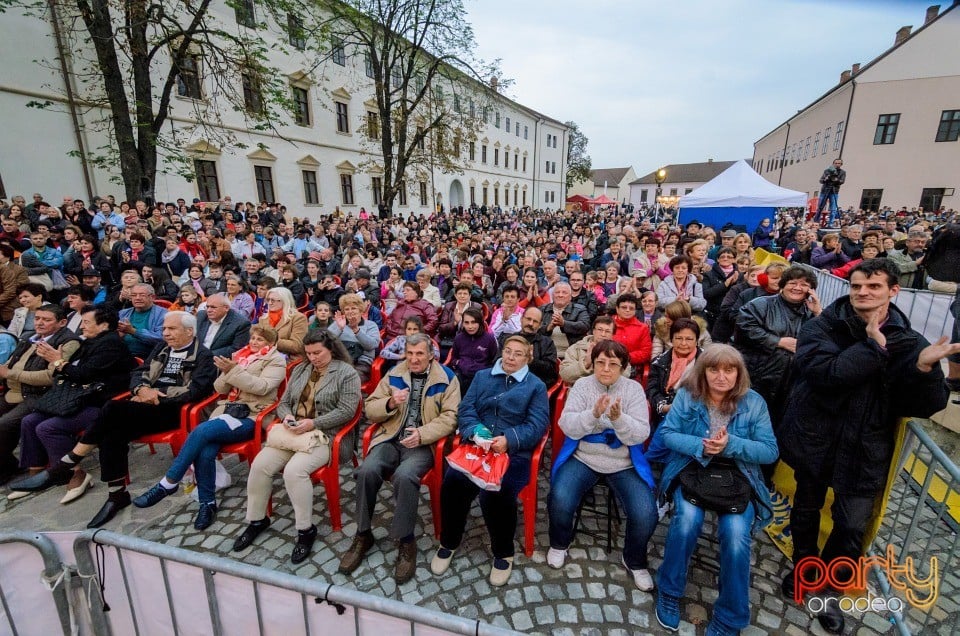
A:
x,y
681,359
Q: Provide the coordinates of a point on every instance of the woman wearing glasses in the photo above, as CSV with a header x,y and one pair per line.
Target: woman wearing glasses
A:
x,y
283,317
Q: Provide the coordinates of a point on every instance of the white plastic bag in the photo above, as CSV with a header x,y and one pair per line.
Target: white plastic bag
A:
x,y
223,480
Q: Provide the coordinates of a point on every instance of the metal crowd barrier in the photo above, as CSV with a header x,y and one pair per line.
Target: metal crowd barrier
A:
x,y
143,588
33,586
921,522
929,312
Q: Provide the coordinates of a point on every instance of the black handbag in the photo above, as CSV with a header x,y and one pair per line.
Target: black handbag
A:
x,y
718,486
67,397
238,410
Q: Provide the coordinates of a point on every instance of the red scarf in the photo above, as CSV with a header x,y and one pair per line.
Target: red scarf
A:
x,y
275,317
244,358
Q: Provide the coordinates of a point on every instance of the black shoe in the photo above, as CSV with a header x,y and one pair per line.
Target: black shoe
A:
x,y
205,516
788,586
8,472
831,618
115,503
301,550
250,534
153,496
58,475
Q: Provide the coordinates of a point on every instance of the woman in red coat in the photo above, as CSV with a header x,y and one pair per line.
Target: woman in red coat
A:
x,y
632,333
531,293
412,304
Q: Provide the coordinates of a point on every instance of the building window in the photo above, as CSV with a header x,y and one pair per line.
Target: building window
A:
x,y
816,145
246,15
456,144
524,195
826,141
472,151
368,65
343,122
643,196
687,191
524,164
886,129
949,129
298,39
376,184
188,77
496,120
208,188
346,189
484,195
508,124
402,193
456,103
473,110
311,195
264,178
483,153
339,54
547,168
870,200
517,134
423,194
396,76
496,156
373,125
301,106
473,195
516,161
554,167
838,138
673,192
806,148
526,131
422,139
486,114
496,196
252,97
931,199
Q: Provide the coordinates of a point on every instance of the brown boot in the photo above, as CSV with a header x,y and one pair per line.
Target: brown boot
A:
x,y
406,562
362,543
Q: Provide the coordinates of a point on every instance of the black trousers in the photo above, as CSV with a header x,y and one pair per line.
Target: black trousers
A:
x,y
499,508
850,516
121,422
10,416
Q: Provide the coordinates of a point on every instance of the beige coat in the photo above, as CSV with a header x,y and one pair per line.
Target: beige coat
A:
x,y
258,383
290,331
18,375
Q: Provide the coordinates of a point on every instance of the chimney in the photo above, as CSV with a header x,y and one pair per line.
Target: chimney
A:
x,y
494,82
844,76
932,13
902,34
855,69
709,160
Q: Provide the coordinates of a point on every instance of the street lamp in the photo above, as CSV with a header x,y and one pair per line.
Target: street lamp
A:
x,y
659,177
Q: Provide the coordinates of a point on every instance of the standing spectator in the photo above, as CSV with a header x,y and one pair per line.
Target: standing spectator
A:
x,y
841,415
830,182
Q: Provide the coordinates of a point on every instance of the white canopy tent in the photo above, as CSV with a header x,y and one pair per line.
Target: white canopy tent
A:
x,y
738,195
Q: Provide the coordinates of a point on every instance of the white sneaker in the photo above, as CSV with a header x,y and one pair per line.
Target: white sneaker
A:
x,y
555,558
641,578
441,560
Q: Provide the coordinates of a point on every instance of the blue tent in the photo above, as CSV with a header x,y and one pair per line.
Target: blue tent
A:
x,y
738,195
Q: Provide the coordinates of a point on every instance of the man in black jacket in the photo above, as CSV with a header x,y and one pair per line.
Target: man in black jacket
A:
x,y
859,368
830,182
221,329
178,371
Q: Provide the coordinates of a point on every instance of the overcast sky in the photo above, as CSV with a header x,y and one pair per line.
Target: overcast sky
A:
x,y
654,83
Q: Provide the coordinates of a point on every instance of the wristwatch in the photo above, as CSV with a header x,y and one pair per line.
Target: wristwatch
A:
x,y
59,364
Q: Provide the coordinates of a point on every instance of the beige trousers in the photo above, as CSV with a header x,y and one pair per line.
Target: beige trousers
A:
x,y
296,469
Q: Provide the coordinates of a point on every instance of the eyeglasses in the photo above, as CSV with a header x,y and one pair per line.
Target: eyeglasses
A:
x,y
514,353
608,364
271,299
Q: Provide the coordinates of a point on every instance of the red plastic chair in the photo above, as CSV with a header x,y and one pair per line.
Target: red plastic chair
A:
x,y
174,438
160,302
431,480
376,374
329,475
528,498
557,434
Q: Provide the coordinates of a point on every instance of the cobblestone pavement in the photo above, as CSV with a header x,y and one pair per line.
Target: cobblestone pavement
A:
x,y
590,595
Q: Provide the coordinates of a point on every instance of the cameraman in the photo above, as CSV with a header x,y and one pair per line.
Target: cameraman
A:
x,y
833,177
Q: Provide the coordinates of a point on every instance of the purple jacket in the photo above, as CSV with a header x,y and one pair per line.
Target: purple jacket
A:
x,y
473,353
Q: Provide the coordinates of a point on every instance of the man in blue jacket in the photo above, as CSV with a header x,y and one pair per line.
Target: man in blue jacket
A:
x,y
141,326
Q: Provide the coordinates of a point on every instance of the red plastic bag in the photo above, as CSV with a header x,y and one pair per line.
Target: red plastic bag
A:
x,y
484,468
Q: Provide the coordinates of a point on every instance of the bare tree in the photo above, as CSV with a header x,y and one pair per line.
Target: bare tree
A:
x,y
130,58
431,92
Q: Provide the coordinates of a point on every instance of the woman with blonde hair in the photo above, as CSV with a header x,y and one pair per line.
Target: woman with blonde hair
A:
x,y
717,431
743,244
283,317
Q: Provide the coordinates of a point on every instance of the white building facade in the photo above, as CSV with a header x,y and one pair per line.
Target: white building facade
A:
x,y
895,122
315,161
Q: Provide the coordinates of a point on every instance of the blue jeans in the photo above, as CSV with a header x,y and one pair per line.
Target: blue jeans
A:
x,y
574,479
201,449
733,605
824,197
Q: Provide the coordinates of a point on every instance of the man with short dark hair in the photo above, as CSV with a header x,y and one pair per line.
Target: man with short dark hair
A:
x,y
859,368
413,408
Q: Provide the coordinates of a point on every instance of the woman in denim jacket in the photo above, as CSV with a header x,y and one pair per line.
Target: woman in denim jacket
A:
x,y
715,417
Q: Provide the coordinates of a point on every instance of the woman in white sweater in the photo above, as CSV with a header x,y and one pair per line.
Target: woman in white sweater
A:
x,y
606,422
